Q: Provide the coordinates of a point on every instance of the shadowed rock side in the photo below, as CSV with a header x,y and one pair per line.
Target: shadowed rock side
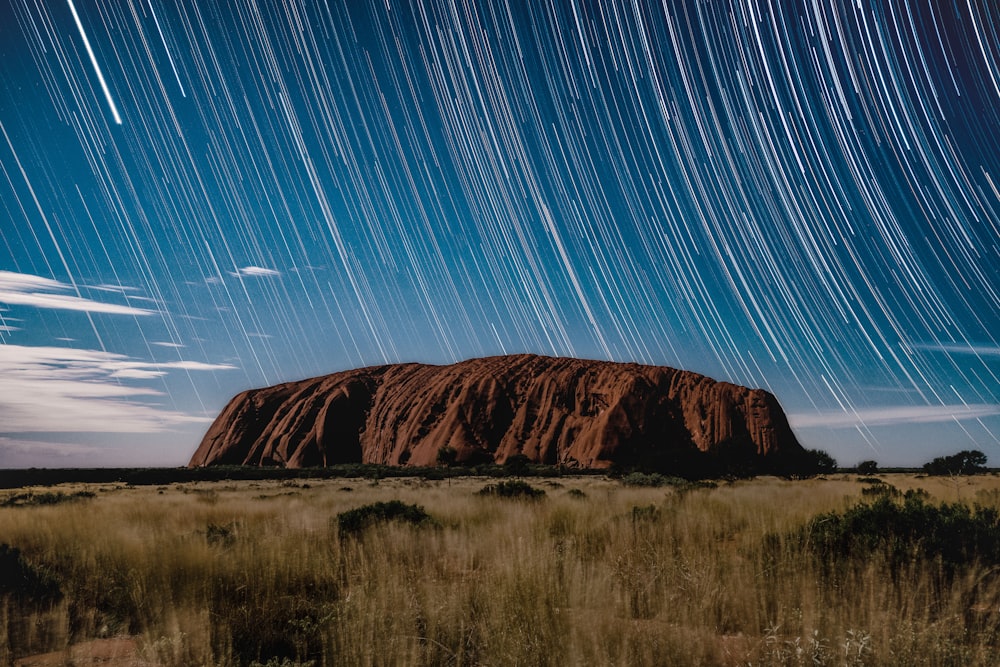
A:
x,y
571,412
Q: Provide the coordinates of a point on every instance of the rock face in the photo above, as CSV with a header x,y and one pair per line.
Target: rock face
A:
x,y
571,412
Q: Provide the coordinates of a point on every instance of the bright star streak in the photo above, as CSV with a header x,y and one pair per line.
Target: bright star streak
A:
x,y
97,67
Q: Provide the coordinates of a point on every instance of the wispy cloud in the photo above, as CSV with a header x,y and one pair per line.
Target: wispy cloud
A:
x,y
107,287
980,349
23,289
144,370
59,389
893,415
256,272
45,451
16,453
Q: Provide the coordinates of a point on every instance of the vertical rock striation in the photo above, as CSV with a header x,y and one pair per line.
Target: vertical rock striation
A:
x,y
570,412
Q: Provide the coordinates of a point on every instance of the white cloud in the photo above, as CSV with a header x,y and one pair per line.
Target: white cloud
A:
x,y
162,343
59,389
20,282
137,374
256,272
15,453
893,415
23,289
6,328
107,287
113,451
139,370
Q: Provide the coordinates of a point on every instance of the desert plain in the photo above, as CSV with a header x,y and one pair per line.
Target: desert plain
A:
x,y
639,570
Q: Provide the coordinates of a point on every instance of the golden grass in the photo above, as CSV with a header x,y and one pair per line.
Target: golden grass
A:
x,y
226,574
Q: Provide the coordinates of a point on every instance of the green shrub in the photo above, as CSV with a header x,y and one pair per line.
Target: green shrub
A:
x,y
24,581
513,488
516,465
447,456
953,535
46,498
356,520
653,479
656,480
880,488
867,468
818,462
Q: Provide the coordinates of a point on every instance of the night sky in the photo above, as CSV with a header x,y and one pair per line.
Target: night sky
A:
x,y
197,198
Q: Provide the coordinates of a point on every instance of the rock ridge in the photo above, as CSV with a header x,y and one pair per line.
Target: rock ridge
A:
x,y
553,410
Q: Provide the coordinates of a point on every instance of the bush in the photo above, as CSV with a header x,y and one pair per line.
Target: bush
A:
x,y
356,520
650,479
447,456
516,465
867,468
819,462
880,488
950,534
23,581
513,488
45,498
656,480
870,480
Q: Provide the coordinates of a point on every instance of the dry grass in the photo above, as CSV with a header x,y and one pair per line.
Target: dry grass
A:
x,y
226,574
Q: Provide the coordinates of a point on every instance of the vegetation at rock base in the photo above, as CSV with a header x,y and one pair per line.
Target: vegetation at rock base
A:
x,y
656,480
694,465
768,571
447,456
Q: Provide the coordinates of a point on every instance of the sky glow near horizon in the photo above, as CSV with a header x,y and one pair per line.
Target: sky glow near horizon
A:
x,y
800,196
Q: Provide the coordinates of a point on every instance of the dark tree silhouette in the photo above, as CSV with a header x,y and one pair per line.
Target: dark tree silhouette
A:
x,y
965,462
867,467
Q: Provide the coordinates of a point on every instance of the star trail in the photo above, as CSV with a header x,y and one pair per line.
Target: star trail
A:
x,y
197,198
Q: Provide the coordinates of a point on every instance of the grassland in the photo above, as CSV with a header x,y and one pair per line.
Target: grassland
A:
x,y
593,573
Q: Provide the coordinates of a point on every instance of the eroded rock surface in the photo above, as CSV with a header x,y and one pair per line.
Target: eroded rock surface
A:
x,y
571,412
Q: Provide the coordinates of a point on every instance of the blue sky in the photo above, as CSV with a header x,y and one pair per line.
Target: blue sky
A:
x,y
197,199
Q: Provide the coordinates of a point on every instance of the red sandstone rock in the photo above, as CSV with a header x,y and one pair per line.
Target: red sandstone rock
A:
x,y
571,412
